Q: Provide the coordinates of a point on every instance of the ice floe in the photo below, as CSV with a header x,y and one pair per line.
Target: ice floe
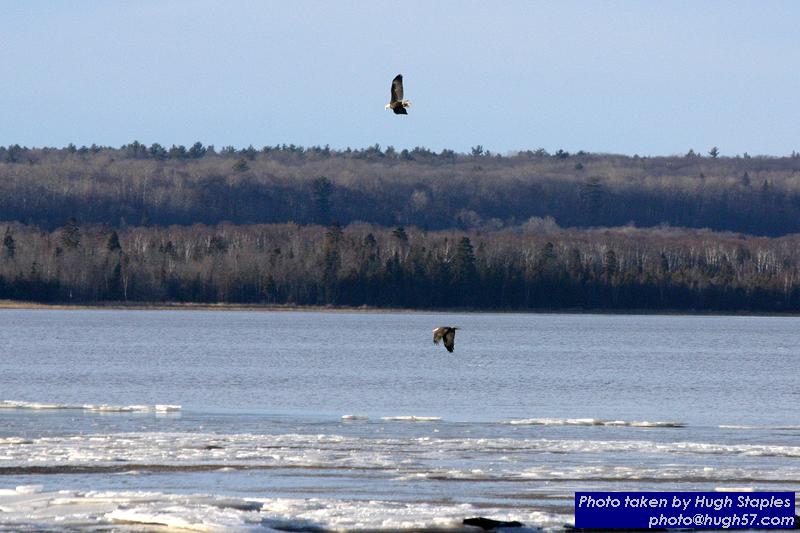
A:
x,y
411,418
592,422
32,508
96,408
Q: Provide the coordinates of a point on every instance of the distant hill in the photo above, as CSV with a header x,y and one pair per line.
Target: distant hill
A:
x,y
154,185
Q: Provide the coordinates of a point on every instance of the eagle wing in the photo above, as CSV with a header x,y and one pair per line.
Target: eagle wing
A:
x,y
450,339
438,333
397,88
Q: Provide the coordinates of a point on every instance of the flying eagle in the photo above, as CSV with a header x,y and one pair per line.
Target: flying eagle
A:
x,y
397,104
446,333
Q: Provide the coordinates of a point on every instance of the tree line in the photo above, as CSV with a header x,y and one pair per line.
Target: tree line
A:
x,y
154,185
535,266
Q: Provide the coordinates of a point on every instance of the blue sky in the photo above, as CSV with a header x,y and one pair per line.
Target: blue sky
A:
x,y
652,78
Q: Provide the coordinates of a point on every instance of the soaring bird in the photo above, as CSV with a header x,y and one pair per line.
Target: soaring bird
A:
x,y
397,104
447,333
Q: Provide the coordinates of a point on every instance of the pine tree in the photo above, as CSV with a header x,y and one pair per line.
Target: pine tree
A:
x,y
331,263
197,150
9,244
322,189
113,244
610,263
71,233
464,268
115,291
400,234
592,196
157,152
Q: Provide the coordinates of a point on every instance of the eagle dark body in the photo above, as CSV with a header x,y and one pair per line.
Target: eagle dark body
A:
x,y
396,103
446,333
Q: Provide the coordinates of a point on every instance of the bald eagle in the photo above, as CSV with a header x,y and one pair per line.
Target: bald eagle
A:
x,y
446,333
397,104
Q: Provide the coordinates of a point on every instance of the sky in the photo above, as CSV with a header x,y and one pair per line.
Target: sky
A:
x,y
629,77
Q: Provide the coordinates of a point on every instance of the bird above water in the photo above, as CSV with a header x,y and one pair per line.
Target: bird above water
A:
x,y
397,104
448,333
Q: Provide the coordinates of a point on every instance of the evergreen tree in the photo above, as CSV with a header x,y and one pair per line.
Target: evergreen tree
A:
x,y
15,153
113,245
157,152
400,234
178,152
465,272
250,153
115,283
548,252
9,245
197,150
322,189
610,263
135,150
664,264
592,196
547,259
217,245
334,233
331,263
746,180
71,233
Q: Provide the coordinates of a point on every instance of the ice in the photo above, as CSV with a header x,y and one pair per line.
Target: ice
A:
x,y
392,515
592,422
558,421
147,448
130,510
197,517
411,418
646,424
96,408
14,404
167,408
126,510
104,408
413,459
147,451
28,489
14,440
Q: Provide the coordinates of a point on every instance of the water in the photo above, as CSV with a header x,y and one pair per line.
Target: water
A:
x,y
303,420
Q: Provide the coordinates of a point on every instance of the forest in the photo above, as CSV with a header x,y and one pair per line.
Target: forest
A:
x,y
138,185
539,266
379,227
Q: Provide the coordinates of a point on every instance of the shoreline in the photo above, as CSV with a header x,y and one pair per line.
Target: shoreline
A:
x,y
189,306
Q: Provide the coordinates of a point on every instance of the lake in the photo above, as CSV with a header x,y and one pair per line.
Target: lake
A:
x,y
265,420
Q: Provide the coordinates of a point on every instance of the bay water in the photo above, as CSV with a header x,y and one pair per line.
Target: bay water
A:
x,y
130,420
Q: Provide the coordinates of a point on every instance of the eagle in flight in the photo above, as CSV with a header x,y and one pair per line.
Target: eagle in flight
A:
x,y
397,104
448,334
